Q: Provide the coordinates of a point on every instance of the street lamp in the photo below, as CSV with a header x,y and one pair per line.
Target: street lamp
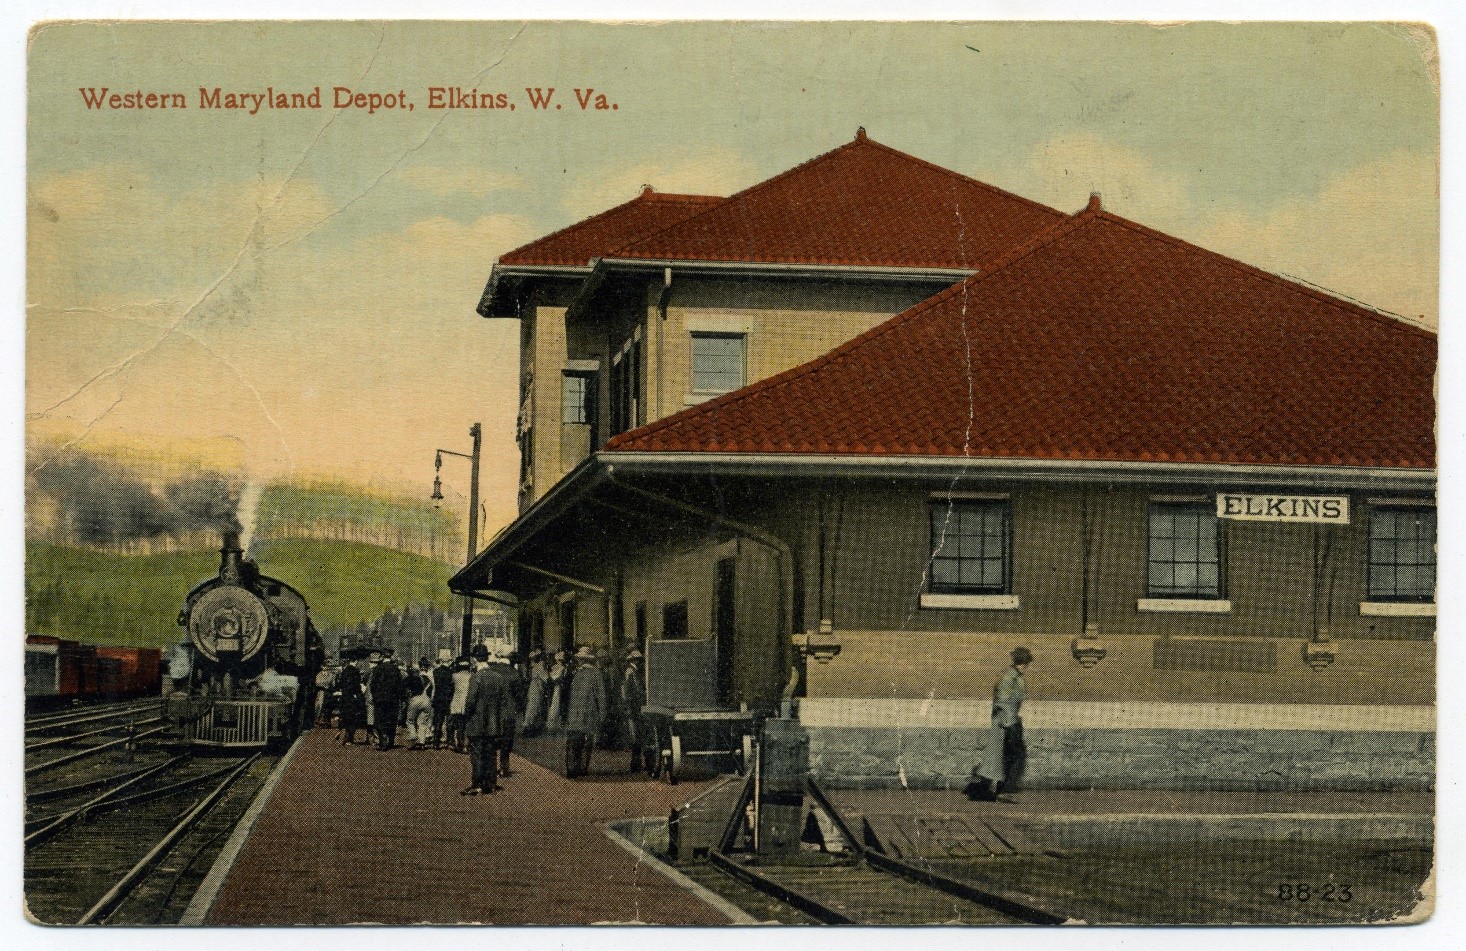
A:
x,y
475,431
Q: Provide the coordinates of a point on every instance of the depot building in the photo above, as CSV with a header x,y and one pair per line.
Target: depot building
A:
x,y
859,453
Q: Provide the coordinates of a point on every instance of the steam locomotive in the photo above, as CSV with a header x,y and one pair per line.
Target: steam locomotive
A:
x,y
254,658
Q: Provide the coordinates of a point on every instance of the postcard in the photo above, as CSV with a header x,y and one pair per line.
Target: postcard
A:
x,y
729,472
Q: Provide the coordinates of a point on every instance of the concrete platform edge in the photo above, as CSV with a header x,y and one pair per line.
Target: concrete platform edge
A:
x,y
735,914
203,899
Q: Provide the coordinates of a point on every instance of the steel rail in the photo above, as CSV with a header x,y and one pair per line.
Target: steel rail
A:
x,y
41,719
134,876
77,721
89,751
162,792
62,740
50,825
61,792
1015,906
1010,905
816,909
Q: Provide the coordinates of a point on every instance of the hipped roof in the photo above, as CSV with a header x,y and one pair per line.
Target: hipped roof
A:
x,y
1100,340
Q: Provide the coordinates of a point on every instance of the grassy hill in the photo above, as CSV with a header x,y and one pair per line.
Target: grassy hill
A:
x,y
134,600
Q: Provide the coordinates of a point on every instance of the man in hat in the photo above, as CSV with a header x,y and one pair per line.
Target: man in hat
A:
x,y
352,700
633,697
442,697
420,705
462,677
501,662
487,709
1006,755
586,714
387,694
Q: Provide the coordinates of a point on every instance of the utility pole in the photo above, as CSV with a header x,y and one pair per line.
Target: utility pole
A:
x,y
476,432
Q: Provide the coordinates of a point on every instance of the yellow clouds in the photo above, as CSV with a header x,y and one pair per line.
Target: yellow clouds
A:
x,y
1370,233
200,314
1064,171
474,182
110,233
712,173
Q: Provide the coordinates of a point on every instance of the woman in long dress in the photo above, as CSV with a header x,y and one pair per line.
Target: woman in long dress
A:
x,y
534,701
1006,755
556,684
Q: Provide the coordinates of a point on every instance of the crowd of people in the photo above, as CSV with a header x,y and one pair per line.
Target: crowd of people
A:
x,y
477,704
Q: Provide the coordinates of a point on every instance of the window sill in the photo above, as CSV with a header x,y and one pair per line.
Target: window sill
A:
x,y
1396,609
971,602
693,399
1185,605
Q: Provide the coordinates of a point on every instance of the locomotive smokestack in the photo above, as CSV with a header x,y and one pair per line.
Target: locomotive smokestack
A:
x,y
230,556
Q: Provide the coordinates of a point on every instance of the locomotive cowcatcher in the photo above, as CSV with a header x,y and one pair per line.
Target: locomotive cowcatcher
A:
x,y
255,657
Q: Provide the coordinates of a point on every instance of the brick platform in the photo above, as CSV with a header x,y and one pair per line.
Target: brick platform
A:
x,y
353,835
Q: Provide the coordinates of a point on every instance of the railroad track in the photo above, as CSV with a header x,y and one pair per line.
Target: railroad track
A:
x,y
53,722
62,740
866,887
131,847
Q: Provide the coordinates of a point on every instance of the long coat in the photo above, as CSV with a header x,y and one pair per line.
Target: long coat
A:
x,y
588,702
353,702
1006,753
386,682
489,709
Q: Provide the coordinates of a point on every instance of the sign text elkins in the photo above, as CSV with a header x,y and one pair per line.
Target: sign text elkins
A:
x,y
1332,509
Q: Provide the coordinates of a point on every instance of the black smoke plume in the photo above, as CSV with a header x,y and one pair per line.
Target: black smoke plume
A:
x,y
102,504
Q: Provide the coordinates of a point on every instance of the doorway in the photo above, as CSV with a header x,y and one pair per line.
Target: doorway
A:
x,y
724,627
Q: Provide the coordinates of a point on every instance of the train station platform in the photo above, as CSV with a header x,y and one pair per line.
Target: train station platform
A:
x,y
941,824
351,835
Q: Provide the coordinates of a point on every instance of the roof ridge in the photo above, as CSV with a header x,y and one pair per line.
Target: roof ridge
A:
x,y
1255,271
645,195
684,197
1067,226
756,186
966,178
861,138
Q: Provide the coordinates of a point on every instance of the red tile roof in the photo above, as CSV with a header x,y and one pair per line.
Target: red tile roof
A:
x,y
1101,340
863,204
574,246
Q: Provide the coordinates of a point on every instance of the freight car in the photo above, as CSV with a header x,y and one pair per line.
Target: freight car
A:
x,y
59,671
254,657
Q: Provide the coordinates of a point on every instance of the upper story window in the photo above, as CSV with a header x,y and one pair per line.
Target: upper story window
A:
x,y
971,546
717,362
1185,551
1402,554
578,402
626,385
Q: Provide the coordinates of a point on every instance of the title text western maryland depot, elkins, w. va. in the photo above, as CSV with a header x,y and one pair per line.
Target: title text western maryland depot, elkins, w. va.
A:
x,y
104,98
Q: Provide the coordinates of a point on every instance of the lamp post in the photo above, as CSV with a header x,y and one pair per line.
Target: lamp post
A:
x,y
475,431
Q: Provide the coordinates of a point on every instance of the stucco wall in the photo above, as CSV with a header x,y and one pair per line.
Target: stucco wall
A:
x,y
787,323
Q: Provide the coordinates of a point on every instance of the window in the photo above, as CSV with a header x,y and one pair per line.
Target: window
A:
x,y
579,398
626,386
1185,553
1402,554
971,546
717,362
674,621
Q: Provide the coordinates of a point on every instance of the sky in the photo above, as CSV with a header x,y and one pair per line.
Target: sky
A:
x,y
293,291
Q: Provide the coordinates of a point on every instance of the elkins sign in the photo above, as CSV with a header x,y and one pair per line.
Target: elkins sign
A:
x,y
1329,509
